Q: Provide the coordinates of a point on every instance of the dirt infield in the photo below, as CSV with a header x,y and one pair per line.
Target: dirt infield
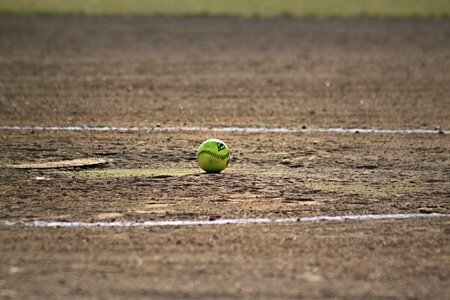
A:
x,y
315,261
224,71
307,174
293,73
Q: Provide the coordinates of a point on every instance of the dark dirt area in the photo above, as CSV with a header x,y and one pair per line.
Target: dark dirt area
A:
x,y
137,71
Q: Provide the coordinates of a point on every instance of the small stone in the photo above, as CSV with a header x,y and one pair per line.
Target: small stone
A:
x,y
14,270
311,277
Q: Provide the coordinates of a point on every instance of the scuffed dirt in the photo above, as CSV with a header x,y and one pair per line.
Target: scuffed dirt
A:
x,y
270,175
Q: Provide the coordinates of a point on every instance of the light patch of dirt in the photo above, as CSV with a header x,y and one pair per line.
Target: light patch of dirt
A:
x,y
118,173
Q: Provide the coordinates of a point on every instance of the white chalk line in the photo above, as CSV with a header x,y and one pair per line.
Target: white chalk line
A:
x,y
224,129
37,224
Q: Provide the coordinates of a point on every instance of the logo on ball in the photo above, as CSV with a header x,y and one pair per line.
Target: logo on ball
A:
x,y
213,156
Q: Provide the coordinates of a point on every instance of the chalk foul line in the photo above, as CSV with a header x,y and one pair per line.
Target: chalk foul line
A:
x,y
224,129
36,224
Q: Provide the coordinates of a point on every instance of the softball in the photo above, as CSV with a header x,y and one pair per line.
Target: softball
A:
x,y
213,156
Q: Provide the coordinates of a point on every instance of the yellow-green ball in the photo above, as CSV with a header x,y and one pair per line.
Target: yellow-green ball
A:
x,y
213,156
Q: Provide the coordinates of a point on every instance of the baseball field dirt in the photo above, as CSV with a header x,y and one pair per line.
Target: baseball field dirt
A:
x,y
225,72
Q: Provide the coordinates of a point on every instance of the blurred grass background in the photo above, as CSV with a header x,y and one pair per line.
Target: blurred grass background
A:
x,y
246,8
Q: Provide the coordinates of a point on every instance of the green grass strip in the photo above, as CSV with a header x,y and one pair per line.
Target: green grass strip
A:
x,y
245,8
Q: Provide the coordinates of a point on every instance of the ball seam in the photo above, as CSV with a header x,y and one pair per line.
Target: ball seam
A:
x,y
222,157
